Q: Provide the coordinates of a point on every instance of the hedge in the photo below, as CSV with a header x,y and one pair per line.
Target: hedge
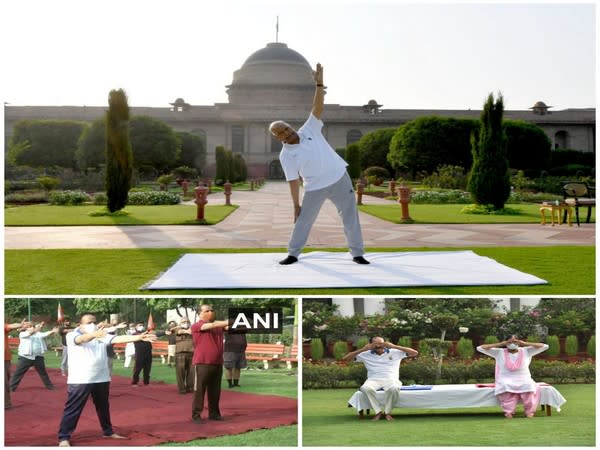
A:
x,y
422,371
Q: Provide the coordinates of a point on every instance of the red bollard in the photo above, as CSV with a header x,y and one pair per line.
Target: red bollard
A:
x,y
201,193
404,200
392,186
359,192
227,187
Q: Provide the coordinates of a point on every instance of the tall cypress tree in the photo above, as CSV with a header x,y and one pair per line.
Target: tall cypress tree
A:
x,y
119,157
489,180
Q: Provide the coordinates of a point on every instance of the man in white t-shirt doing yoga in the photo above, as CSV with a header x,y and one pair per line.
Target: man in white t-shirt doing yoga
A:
x,y
382,360
307,154
89,375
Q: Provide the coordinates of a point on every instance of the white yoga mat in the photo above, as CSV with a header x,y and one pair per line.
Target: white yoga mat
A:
x,y
333,270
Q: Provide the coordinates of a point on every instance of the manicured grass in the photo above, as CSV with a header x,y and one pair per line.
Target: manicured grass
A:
x,y
327,421
529,213
277,381
570,270
47,215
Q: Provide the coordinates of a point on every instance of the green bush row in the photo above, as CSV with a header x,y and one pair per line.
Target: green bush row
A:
x,y
153,198
68,197
423,371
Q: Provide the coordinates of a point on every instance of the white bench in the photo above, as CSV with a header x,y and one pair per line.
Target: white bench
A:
x,y
446,396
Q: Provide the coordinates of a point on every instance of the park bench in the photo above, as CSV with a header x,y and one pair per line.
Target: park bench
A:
x,y
446,396
159,349
292,358
265,353
578,194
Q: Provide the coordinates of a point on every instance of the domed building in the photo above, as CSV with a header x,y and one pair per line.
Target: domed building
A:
x,y
276,82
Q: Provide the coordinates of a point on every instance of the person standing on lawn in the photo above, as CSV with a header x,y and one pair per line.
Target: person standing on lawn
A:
x,y
307,154
382,360
513,382
89,375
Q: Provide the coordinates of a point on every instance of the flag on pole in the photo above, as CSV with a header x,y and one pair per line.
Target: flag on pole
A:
x,y
150,326
60,314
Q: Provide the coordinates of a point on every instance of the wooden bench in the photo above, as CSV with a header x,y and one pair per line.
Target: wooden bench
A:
x,y
293,358
159,349
265,353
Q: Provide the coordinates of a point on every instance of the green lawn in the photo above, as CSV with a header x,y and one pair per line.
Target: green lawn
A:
x,y
47,215
568,269
277,381
327,421
528,213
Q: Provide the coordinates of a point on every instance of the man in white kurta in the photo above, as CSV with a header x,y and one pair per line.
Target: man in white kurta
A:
x,y
513,382
382,360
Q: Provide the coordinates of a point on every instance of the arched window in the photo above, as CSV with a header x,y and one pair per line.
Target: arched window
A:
x,y
353,136
561,139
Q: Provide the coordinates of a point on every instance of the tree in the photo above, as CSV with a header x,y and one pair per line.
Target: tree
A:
x,y
91,146
527,144
374,148
193,151
240,171
45,143
425,143
153,143
119,157
223,169
489,180
352,157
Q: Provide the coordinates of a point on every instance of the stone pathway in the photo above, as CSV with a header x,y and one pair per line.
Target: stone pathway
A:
x,y
264,220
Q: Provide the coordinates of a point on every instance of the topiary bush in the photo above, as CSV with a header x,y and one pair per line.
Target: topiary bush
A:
x,y
377,172
464,348
591,347
316,349
490,340
361,342
404,341
553,346
340,348
571,345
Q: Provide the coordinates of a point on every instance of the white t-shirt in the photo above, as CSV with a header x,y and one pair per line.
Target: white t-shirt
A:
x,y
88,362
382,367
518,380
312,158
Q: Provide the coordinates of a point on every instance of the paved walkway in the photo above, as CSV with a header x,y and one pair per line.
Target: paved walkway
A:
x,y
264,220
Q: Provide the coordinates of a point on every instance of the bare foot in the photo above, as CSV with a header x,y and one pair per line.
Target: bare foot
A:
x,y
377,416
388,417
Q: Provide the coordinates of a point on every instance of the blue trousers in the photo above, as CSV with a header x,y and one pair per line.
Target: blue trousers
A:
x,y
341,193
77,396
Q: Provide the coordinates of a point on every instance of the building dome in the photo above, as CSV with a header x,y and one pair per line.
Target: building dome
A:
x,y
275,74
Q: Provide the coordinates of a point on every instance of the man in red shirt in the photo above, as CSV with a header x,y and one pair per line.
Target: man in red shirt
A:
x,y
207,336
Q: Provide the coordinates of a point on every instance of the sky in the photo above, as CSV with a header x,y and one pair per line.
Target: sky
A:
x,y
404,55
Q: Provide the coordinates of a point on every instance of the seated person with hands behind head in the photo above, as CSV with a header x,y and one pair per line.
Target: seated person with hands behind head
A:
x,y
382,360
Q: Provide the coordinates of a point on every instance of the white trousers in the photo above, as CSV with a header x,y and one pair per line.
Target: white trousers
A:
x,y
391,388
341,193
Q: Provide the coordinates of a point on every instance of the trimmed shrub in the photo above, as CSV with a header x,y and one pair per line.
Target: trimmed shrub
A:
x,y
424,348
490,340
377,172
440,197
68,197
405,341
153,198
340,348
553,346
316,349
571,345
591,347
361,342
48,183
464,348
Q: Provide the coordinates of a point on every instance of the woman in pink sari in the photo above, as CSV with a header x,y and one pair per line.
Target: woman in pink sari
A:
x,y
513,378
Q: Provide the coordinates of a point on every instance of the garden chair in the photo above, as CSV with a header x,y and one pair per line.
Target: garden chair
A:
x,y
576,194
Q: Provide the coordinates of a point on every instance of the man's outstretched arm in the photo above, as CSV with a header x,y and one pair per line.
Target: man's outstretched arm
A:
x,y
295,192
319,98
